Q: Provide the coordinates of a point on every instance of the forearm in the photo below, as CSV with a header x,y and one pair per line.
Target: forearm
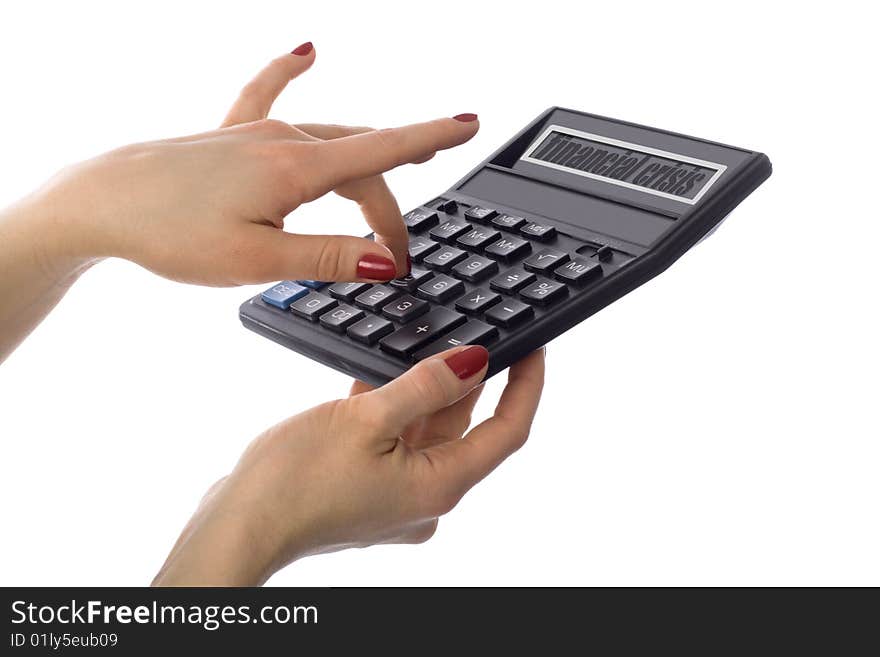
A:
x,y
41,255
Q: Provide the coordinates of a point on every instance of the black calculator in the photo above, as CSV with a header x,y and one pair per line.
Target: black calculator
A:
x,y
572,213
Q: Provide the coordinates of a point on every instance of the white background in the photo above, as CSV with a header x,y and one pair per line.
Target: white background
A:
x,y
716,426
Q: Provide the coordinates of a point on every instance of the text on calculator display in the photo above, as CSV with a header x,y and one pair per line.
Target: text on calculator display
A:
x,y
645,169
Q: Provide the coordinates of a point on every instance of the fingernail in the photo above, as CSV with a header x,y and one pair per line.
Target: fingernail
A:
x,y
376,267
304,49
465,118
468,362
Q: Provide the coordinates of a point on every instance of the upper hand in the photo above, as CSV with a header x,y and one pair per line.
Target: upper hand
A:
x,y
210,208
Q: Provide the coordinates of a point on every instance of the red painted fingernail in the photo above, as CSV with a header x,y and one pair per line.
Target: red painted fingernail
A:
x,y
465,118
376,267
468,362
304,49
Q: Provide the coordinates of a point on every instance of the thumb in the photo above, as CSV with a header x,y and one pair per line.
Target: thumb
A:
x,y
433,384
322,257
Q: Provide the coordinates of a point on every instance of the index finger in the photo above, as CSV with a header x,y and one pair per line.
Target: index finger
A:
x,y
368,154
457,466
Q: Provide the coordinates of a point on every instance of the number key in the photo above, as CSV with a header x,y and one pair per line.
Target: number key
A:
x,y
341,318
376,296
347,291
312,306
405,308
443,258
441,288
419,247
412,280
475,268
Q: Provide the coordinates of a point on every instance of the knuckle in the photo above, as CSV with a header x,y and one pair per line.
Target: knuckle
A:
x,y
425,532
330,260
444,501
429,381
273,127
372,412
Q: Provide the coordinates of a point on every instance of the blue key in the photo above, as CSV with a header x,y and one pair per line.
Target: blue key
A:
x,y
315,285
284,294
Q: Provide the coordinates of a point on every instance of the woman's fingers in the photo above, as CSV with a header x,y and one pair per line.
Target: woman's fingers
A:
x,y
273,255
333,131
433,384
337,161
377,203
382,214
256,98
454,467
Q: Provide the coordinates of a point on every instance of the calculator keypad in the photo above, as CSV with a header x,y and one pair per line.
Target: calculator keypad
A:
x,y
480,274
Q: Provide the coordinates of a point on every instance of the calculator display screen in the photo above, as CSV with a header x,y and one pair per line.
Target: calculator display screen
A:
x,y
648,170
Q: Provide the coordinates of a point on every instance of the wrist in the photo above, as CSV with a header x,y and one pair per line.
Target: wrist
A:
x,y
60,246
225,544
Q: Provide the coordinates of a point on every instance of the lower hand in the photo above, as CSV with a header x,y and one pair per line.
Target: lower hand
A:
x,y
378,467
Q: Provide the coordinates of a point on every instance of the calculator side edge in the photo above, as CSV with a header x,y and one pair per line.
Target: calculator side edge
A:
x,y
317,344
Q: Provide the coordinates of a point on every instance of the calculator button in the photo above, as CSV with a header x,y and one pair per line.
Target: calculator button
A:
x,y
347,291
418,333
376,297
405,308
341,317
478,237
543,291
473,332
511,280
508,221
545,260
411,281
441,288
476,301
419,219
449,230
283,294
482,215
419,247
509,248
475,268
370,329
536,231
604,253
315,285
509,313
450,207
578,270
313,305
444,257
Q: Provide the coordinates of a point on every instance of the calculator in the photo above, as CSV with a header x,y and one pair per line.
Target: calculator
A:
x,y
572,213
